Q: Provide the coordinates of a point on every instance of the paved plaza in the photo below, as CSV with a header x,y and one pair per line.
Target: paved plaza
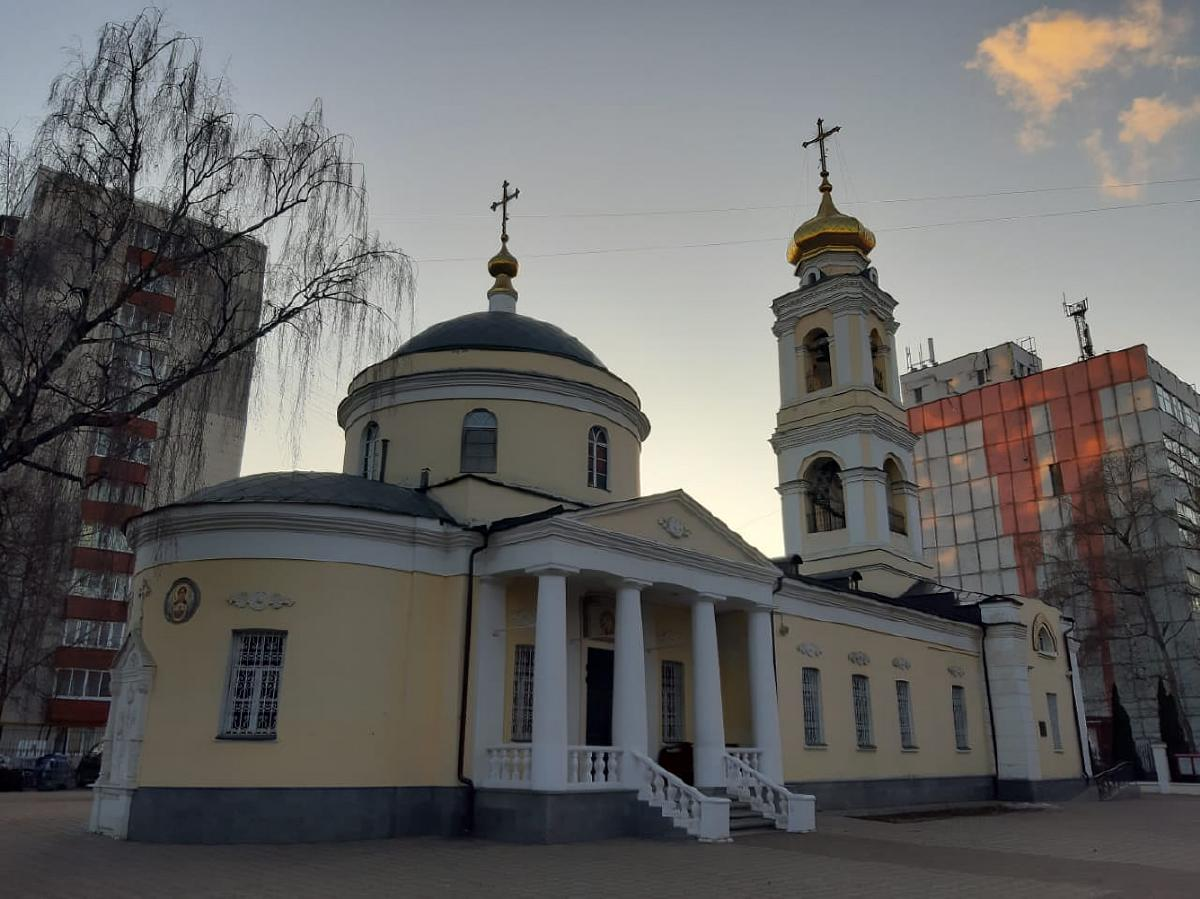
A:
x,y
1137,847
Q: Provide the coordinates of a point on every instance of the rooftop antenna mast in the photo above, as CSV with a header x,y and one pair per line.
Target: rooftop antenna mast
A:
x,y
1078,311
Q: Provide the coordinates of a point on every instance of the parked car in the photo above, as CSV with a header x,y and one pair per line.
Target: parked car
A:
x,y
54,772
88,769
11,778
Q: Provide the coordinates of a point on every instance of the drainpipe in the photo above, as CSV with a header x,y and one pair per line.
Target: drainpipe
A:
x,y
987,683
484,530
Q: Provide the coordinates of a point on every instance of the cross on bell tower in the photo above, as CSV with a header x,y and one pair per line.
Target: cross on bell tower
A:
x,y
822,136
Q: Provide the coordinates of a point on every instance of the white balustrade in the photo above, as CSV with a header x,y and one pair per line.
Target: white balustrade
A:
x,y
793,812
746,755
706,817
509,766
594,767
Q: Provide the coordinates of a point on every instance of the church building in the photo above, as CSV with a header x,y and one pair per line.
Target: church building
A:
x,y
481,625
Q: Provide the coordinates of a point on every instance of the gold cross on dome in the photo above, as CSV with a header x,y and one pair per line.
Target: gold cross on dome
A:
x,y
502,203
822,134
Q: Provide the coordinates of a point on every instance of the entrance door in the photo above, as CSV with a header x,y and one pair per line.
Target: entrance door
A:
x,y
599,696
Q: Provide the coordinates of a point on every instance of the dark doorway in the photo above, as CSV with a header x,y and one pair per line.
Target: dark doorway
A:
x,y
599,696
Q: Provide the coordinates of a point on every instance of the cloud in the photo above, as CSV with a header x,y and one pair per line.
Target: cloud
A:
x,y
1112,181
1150,119
1041,60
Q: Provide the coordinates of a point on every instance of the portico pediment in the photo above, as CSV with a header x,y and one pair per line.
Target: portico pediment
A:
x,y
675,520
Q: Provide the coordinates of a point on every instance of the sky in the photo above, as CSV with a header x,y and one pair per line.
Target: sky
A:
x,y
656,146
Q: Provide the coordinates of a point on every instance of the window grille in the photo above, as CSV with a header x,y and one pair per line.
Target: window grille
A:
x,y
861,689
93,634
479,442
672,702
81,683
371,452
908,737
598,458
1052,714
252,699
826,501
958,702
522,704
814,729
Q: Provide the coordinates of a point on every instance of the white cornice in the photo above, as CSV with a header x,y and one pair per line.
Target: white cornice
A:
x,y
819,604
301,532
798,434
489,383
837,294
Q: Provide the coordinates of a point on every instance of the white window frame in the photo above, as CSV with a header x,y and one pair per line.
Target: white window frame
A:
x,y
597,458
371,452
1055,724
521,725
673,722
810,694
958,707
860,693
478,424
82,683
93,634
263,681
904,709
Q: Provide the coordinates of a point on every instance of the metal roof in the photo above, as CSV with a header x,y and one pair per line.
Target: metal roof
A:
x,y
500,331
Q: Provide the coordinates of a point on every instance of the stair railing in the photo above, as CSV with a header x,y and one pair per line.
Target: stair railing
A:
x,y
702,816
793,812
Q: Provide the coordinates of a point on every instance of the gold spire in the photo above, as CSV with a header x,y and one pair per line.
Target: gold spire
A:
x,y
829,229
503,266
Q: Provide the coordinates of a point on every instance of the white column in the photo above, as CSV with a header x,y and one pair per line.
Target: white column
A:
x,y
791,495
1162,767
789,382
764,698
490,615
549,743
843,349
629,670
1006,643
709,716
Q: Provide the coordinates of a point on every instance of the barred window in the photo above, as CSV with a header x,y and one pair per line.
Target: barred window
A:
x,y
672,702
598,458
522,704
814,729
908,736
861,689
93,634
1052,713
958,701
826,500
252,697
81,683
479,442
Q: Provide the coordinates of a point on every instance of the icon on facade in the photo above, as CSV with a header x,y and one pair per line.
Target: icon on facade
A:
x,y
181,601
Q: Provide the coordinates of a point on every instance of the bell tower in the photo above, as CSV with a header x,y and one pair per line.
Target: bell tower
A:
x,y
841,439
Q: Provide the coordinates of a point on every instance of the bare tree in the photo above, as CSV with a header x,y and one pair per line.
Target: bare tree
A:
x,y
1121,544
143,172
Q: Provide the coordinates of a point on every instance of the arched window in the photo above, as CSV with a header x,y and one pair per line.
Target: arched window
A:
x,y
879,351
1043,640
826,502
897,501
819,372
479,442
598,458
371,455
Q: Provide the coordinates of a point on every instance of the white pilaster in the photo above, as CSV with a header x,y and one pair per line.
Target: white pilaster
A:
x,y
764,698
791,495
789,383
709,714
1077,692
489,672
912,516
843,349
549,743
629,670
1006,645
855,484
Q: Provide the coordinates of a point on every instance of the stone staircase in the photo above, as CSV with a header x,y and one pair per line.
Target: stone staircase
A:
x,y
743,819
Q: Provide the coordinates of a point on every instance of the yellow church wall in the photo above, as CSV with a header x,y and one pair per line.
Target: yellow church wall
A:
x,y
369,687
734,661
471,500
668,639
538,445
1050,674
442,360
643,521
930,689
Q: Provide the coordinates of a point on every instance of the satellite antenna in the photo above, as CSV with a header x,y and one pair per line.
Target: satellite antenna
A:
x,y
1078,311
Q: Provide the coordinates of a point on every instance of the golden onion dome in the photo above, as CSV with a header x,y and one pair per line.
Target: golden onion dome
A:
x,y
829,229
503,267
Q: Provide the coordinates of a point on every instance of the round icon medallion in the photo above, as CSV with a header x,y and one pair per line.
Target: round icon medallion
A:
x,y
181,601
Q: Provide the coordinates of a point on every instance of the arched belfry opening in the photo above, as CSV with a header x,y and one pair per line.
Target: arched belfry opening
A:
x,y
896,499
826,499
879,363
818,361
